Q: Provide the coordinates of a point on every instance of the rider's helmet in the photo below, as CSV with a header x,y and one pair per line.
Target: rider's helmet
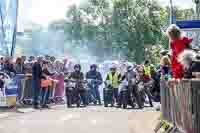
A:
x,y
113,67
93,67
130,68
77,67
140,69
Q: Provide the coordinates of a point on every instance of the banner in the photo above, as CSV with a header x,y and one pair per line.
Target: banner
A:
x,y
8,13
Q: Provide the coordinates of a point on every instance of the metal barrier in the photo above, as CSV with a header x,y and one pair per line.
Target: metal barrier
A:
x,y
26,89
180,101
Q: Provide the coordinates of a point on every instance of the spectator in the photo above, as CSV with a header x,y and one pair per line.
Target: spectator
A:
x,y
177,45
47,57
19,66
36,80
1,64
191,64
31,59
23,59
165,66
52,59
8,66
147,70
46,85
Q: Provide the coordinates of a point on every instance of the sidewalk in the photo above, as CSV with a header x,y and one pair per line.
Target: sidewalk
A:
x,y
9,112
143,122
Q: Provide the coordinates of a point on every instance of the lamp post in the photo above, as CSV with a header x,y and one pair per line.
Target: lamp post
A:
x,y
171,12
197,2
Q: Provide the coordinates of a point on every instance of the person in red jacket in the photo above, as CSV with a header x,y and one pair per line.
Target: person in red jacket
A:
x,y
177,45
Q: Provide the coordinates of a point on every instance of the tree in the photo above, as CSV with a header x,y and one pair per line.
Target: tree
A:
x,y
116,28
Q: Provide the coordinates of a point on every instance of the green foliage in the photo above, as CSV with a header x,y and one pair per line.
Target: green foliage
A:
x,y
123,27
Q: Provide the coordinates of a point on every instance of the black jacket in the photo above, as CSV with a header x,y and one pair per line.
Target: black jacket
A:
x,y
36,71
95,76
8,68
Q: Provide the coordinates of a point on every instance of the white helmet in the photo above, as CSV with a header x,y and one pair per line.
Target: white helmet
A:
x,y
113,66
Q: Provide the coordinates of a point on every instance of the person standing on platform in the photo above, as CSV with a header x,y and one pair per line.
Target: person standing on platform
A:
x,y
177,45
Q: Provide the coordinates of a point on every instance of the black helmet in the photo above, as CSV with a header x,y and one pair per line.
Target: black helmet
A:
x,y
77,66
164,52
93,66
130,68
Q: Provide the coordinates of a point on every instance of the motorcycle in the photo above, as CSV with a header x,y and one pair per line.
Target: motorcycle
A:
x,y
92,93
108,94
133,94
144,91
124,94
74,92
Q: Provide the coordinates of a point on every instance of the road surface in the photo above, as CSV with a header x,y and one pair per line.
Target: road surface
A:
x,y
92,119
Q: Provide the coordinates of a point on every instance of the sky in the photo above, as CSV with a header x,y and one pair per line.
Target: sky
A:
x,y
179,3
45,11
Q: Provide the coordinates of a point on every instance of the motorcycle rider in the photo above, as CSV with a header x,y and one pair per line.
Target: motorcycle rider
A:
x,y
78,76
130,77
96,80
147,70
115,78
141,77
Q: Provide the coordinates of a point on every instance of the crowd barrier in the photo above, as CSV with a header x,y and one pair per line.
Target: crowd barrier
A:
x,y
24,90
180,104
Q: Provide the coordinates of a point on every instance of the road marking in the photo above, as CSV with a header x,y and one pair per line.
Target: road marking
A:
x,y
22,122
69,117
26,110
94,122
65,118
4,115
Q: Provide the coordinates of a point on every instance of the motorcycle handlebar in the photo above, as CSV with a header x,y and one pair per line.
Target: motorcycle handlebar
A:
x,y
76,81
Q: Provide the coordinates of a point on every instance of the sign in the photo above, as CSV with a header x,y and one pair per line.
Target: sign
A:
x,y
192,30
188,24
3,101
9,91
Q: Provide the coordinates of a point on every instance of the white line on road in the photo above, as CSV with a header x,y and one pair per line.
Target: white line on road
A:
x,y
67,117
4,115
93,122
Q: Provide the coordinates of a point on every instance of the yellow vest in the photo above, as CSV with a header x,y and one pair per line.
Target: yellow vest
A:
x,y
114,79
147,70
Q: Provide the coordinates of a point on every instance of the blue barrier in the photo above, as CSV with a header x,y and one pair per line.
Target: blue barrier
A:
x,y
11,89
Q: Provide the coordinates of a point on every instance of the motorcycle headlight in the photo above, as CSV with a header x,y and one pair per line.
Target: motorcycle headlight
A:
x,y
140,87
72,85
108,82
133,81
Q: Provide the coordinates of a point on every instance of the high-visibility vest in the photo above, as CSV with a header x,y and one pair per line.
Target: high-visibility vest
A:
x,y
114,78
147,70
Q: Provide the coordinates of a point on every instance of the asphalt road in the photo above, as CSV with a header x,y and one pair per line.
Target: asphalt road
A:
x,y
92,119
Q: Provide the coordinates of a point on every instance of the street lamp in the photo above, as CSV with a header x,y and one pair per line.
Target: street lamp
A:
x,y
171,12
197,2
